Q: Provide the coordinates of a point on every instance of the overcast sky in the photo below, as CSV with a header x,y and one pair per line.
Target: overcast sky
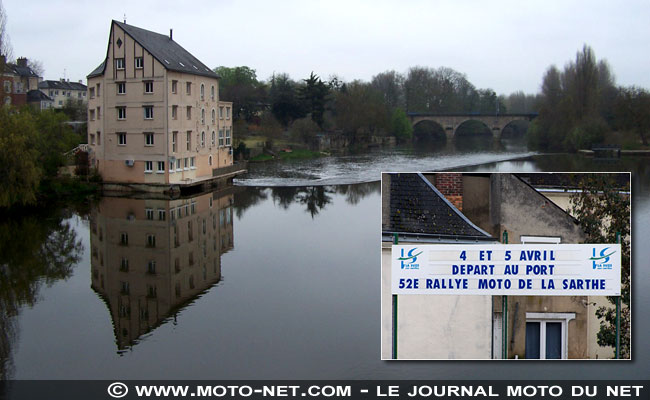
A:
x,y
503,45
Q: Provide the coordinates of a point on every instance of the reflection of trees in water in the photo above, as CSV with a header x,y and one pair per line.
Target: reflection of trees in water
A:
x,y
247,198
33,250
314,198
354,193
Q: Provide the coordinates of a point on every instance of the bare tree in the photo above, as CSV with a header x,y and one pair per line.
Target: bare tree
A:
x,y
5,43
37,67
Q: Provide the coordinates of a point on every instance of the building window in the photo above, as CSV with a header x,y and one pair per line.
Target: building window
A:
x,y
124,265
98,91
202,139
99,113
121,87
220,137
174,86
171,171
151,290
151,265
91,115
220,112
178,166
148,166
139,63
192,165
189,140
174,112
161,214
124,287
7,87
124,239
148,87
210,163
148,139
161,167
212,92
99,138
547,335
151,240
121,139
214,117
121,113
174,137
148,112
148,212
227,112
185,163
228,137
214,138
188,112
202,116
119,64
190,237
202,92
92,138
188,88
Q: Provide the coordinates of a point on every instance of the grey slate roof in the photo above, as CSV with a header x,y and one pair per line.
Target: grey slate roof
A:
x,y
169,53
417,207
20,71
37,95
44,85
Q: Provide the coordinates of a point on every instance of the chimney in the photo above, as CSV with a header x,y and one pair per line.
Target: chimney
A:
x,y
451,186
22,62
171,31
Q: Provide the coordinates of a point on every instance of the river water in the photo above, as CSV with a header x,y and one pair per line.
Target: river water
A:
x,y
276,278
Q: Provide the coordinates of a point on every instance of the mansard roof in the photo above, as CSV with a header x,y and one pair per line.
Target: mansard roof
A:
x,y
169,53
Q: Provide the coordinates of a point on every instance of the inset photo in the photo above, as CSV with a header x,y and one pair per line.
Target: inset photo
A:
x,y
479,266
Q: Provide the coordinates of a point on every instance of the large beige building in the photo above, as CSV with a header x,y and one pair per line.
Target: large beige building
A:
x,y
154,114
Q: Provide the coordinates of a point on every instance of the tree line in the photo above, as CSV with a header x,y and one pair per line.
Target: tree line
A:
x,y
356,109
581,106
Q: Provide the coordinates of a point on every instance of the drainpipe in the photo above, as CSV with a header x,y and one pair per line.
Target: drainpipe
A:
x,y
504,305
394,356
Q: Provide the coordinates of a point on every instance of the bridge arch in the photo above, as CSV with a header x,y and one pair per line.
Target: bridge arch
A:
x,y
429,130
472,127
515,129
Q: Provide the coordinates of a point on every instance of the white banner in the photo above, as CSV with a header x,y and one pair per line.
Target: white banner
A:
x,y
516,269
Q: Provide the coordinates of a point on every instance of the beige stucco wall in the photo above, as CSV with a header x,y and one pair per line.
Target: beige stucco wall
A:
x,y
112,156
435,327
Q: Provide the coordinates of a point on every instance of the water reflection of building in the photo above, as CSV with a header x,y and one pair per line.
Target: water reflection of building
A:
x,y
151,257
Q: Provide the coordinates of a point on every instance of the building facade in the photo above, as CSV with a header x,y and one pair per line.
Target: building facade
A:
x,y
62,91
17,80
154,113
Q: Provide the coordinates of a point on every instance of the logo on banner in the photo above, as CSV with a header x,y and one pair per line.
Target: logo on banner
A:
x,y
601,261
408,260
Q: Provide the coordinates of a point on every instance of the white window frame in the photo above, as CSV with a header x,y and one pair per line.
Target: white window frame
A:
x,y
174,140
121,113
148,112
139,62
148,87
121,88
121,138
161,170
119,63
148,166
192,162
149,139
543,318
228,142
221,137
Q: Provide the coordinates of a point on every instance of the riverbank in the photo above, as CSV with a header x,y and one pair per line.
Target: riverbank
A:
x,y
298,154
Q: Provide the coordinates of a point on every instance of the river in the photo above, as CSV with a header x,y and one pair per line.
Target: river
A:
x,y
275,278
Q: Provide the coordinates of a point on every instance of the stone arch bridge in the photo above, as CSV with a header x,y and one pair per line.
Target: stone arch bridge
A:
x,y
451,122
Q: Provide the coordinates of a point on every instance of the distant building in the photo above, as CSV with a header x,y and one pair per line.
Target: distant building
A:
x,y
17,80
63,90
154,114
39,100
